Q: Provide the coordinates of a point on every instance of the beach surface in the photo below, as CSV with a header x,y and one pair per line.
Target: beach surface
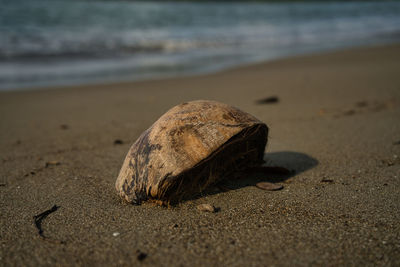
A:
x,y
336,124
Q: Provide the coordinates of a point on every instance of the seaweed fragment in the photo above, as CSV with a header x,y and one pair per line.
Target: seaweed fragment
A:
x,y
38,223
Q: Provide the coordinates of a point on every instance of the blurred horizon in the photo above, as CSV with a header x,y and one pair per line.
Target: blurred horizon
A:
x,y
50,43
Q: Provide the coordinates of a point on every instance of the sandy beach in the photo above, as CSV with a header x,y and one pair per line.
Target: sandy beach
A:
x,y
336,124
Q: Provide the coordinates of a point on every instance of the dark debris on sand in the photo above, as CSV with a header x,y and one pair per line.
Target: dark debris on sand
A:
x,y
268,100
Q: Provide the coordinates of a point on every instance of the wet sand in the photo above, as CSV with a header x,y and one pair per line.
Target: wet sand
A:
x,y
336,124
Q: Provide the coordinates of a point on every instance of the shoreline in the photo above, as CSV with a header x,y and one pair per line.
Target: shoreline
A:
x,y
200,74
335,124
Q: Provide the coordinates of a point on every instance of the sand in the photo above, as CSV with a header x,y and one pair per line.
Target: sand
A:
x,y
337,124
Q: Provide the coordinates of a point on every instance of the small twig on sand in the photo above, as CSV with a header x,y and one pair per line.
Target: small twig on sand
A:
x,y
38,223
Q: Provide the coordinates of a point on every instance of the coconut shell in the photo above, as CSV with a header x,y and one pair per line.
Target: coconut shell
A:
x,y
189,148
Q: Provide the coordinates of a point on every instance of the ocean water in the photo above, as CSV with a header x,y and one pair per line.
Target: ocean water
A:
x,y
62,42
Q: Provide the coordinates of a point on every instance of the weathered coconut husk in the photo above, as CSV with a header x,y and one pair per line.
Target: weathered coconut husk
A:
x,y
190,147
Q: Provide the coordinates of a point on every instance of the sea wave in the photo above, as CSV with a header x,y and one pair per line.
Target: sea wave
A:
x,y
26,47
45,41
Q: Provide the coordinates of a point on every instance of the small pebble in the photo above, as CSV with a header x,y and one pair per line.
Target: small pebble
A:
x,y
269,186
141,256
206,208
118,142
52,163
115,234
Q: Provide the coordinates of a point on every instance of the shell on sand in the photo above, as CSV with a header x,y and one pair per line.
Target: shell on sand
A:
x,y
190,147
206,208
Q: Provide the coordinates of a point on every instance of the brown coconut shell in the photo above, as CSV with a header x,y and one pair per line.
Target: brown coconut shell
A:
x,y
189,148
